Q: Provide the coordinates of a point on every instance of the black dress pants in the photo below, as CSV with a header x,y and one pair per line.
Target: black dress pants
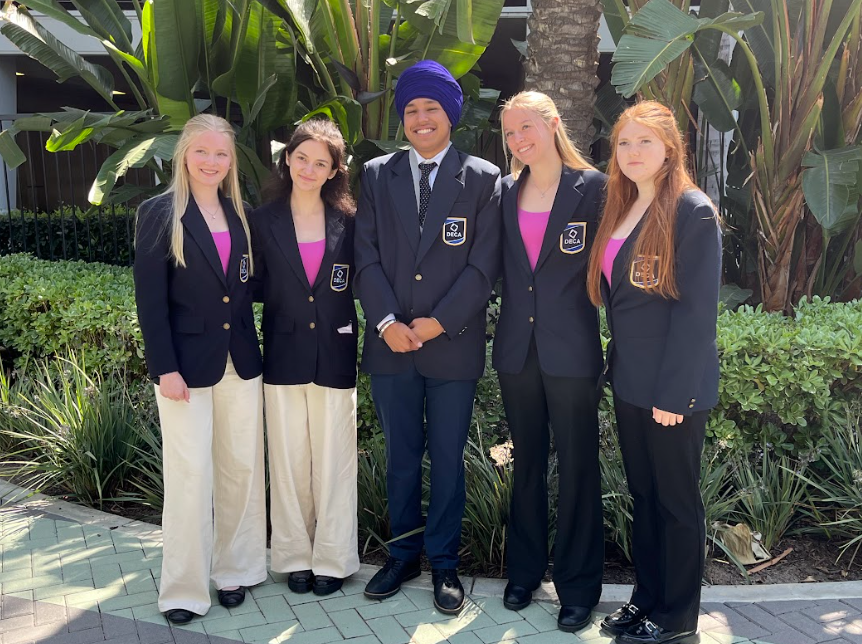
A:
x,y
669,535
533,400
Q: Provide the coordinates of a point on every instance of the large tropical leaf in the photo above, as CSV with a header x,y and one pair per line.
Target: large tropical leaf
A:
x,y
830,187
53,9
716,92
483,16
134,154
345,112
35,41
616,16
657,35
176,30
108,20
12,155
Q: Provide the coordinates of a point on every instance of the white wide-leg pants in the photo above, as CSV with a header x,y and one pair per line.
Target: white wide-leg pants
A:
x,y
311,436
214,517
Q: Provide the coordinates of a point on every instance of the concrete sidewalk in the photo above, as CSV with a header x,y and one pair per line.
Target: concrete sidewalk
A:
x,y
71,575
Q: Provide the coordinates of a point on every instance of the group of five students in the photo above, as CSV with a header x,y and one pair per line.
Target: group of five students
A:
x,y
423,249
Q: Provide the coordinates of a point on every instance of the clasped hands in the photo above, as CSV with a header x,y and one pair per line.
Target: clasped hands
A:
x,y
402,338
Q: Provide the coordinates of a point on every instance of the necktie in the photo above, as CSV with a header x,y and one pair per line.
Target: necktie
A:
x,y
424,190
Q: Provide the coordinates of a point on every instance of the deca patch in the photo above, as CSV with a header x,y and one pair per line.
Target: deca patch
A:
x,y
455,231
573,238
338,281
643,273
243,269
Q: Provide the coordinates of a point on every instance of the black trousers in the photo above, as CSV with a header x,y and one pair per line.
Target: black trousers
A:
x,y
669,535
533,400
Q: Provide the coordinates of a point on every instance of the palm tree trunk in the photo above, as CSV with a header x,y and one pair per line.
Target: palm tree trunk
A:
x,y
563,54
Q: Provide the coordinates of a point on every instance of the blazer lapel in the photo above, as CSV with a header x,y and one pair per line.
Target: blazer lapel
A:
x,y
193,222
238,244
512,227
334,239
285,236
404,198
447,186
565,203
623,260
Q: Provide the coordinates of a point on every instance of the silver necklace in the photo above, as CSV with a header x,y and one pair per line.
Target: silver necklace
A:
x,y
212,215
542,193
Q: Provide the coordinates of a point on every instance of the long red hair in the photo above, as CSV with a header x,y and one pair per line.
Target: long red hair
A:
x,y
656,239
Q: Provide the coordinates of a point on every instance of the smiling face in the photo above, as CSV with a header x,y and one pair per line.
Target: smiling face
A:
x,y
310,165
640,153
208,159
527,135
426,126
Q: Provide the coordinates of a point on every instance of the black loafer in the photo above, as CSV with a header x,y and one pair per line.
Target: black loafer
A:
x,y
179,616
388,579
324,585
300,581
231,598
648,632
448,591
516,597
622,619
573,618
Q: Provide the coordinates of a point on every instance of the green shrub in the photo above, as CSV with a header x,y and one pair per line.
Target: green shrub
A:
x,y
105,236
46,307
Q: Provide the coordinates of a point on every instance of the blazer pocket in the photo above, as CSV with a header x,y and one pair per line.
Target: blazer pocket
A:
x,y
283,325
188,324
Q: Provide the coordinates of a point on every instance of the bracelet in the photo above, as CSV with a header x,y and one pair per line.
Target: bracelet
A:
x,y
385,326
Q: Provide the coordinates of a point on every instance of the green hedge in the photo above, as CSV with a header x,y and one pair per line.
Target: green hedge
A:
x,y
105,236
783,378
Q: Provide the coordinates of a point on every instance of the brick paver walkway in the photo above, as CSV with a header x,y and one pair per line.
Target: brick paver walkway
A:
x,y
67,582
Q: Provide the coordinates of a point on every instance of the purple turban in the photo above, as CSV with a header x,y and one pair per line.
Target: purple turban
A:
x,y
429,79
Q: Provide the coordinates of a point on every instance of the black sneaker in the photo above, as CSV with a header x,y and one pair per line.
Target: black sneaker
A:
x,y
388,579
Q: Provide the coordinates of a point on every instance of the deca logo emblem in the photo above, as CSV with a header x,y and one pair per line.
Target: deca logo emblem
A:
x,y
338,281
455,231
243,269
643,272
573,239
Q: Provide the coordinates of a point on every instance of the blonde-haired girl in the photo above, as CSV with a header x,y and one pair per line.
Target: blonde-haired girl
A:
x,y
548,356
656,267
192,268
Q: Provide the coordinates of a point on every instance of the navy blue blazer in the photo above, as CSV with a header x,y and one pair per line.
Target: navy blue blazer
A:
x,y
192,317
446,272
551,303
302,342
663,352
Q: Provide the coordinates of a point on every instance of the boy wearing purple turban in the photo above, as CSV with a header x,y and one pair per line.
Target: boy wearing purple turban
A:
x,y
427,255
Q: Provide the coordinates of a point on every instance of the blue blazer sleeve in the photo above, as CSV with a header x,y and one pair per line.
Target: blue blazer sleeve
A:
x,y
152,272
691,334
371,286
471,290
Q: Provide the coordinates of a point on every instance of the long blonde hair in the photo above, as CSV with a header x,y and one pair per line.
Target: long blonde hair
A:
x,y
181,192
542,105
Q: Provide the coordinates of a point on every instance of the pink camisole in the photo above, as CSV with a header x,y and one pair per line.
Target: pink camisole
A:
x,y
533,226
312,256
610,254
222,244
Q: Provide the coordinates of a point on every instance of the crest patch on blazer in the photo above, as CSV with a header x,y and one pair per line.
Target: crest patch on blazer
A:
x,y
455,231
243,269
574,237
338,280
643,272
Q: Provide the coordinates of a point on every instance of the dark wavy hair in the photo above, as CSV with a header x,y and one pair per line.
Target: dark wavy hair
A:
x,y
336,191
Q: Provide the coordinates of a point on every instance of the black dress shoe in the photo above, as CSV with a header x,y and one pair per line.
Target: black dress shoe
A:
x,y
324,585
573,618
648,632
448,591
388,579
300,581
516,597
179,616
622,619
231,598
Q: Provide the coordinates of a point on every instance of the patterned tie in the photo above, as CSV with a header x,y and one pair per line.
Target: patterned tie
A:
x,y
424,190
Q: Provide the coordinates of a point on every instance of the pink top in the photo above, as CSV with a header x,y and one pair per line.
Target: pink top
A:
x,y
312,257
610,254
533,226
222,243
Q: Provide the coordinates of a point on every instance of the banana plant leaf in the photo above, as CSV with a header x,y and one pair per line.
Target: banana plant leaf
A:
x,y
346,112
830,186
657,35
716,91
176,34
108,20
134,154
